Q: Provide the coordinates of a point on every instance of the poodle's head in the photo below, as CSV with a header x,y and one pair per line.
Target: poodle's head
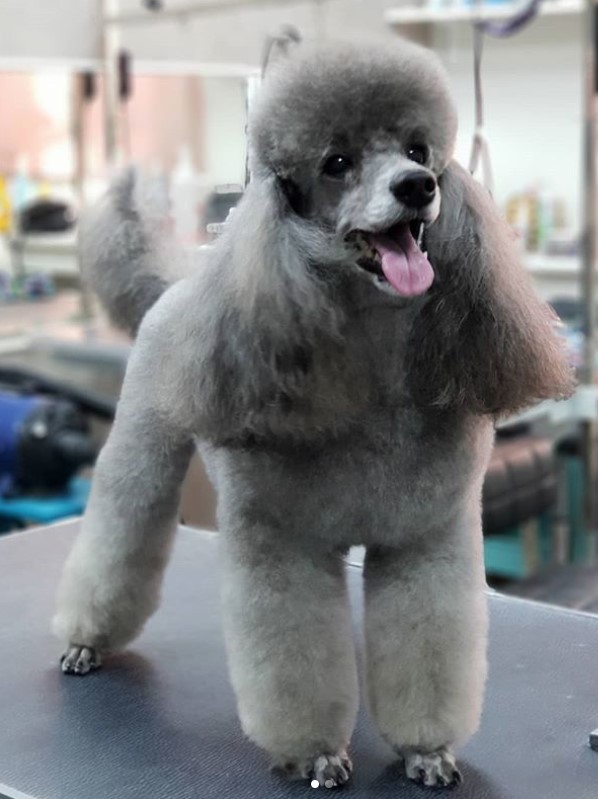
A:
x,y
356,139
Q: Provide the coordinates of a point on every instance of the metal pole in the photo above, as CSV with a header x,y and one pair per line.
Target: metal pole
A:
x,y
110,46
78,136
589,260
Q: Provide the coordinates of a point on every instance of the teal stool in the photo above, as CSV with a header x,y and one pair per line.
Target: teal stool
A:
x,y
519,501
520,551
580,548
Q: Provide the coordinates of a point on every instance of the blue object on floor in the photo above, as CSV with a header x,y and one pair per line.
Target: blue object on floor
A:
x,y
18,511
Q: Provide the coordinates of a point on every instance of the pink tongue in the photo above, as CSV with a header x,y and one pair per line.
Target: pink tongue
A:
x,y
404,265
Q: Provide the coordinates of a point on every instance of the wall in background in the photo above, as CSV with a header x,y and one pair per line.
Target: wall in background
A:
x,y
35,115
70,29
533,82
533,98
224,108
49,29
238,36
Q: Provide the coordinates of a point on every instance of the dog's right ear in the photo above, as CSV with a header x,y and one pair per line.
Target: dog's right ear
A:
x,y
279,46
483,341
270,248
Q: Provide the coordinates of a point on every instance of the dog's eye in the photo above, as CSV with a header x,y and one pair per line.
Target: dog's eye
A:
x,y
337,166
418,153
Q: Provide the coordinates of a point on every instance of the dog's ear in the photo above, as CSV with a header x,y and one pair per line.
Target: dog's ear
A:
x,y
483,340
280,312
273,250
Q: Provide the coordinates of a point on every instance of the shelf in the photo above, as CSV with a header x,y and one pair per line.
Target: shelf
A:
x,y
418,15
552,265
582,406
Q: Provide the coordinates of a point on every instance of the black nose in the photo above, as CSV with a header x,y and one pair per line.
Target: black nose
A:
x,y
415,189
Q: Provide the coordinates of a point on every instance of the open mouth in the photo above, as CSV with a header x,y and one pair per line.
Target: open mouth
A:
x,y
395,257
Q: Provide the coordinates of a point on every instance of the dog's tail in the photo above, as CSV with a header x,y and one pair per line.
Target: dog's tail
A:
x,y
128,257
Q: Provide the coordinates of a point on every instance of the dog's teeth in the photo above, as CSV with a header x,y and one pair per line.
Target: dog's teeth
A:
x,y
420,234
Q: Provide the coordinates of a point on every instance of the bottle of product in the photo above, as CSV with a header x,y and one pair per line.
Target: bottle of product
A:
x,y
533,216
546,206
184,195
21,187
5,207
517,215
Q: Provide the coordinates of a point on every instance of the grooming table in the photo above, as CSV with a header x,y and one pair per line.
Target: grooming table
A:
x,y
158,721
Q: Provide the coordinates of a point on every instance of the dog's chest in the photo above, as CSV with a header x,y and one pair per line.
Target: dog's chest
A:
x,y
366,372
394,475
308,391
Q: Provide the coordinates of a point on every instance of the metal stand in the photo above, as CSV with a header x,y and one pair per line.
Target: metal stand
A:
x,y
110,47
113,20
480,152
589,263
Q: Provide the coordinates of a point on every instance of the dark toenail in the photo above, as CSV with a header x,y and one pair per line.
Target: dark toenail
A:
x,y
441,781
457,778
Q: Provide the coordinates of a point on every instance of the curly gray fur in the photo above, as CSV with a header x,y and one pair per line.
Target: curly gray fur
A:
x,y
330,411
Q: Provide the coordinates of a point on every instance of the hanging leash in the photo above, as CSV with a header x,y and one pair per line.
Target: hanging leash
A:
x,y
480,148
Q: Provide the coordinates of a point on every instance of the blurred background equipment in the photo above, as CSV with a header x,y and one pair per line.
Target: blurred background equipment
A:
x,y
44,443
46,216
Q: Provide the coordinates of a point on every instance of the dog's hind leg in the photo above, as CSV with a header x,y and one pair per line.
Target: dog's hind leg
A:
x,y
426,627
291,654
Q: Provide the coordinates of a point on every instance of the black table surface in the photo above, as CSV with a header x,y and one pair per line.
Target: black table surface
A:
x,y
159,722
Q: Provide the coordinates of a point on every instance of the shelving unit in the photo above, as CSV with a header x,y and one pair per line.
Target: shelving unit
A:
x,y
572,276
419,14
555,275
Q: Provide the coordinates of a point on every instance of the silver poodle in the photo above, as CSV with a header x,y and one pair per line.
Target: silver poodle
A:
x,y
340,357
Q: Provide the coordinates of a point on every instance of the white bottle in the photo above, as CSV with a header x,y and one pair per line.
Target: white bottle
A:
x,y
21,188
184,196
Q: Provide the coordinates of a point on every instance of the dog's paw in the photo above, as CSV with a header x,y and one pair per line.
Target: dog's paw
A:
x,y
434,769
80,660
324,771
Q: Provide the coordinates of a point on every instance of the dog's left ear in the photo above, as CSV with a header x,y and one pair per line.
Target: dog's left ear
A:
x,y
483,341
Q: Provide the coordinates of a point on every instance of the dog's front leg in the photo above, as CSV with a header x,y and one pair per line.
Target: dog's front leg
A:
x,y
290,650
112,578
426,629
